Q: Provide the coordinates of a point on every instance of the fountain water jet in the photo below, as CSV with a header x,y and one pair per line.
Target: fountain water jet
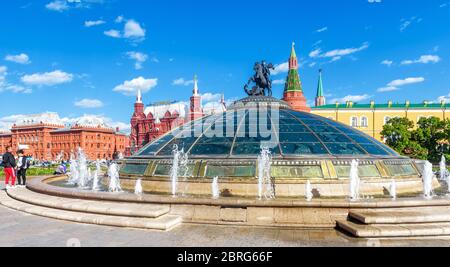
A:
x,y
393,190
428,180
96,178
138,190
74,174
215,188
309,195
265,184
355,181
114,180
179,165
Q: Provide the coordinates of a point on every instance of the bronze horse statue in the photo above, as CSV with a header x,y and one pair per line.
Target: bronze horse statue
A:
x,y
261,79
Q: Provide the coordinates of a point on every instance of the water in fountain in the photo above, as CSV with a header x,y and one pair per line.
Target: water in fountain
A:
x,y
428,180
96,178
179,167
309,194
444,173
74,174
215,188
83,172
114,179
393,190
138,190
443,169
355,181
265,186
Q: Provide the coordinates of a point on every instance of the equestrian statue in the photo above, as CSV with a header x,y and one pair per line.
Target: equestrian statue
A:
x,y
261,79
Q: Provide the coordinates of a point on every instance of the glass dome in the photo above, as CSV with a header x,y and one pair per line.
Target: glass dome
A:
x,y
239,133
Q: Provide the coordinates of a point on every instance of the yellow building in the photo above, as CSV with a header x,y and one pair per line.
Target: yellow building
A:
x,y
370,118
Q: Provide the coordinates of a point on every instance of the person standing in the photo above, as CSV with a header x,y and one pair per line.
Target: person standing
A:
x,y
22,167
9,164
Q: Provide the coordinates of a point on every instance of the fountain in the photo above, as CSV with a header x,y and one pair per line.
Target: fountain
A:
x,y
444,173
96,178
443,169
74,174
138,190
265,185
114,180
393,190
428,180
83,178
355,181
215,188
309,195
179,165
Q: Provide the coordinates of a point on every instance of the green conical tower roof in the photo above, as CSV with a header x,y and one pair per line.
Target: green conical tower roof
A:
x,y
293,83
320,85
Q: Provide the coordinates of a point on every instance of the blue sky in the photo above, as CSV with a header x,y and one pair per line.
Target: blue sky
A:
x,y
84,57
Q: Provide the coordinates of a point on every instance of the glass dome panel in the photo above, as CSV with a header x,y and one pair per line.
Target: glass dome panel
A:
x,y
241,133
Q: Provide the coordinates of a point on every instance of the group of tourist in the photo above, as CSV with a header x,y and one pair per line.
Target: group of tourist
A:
x,y
15,168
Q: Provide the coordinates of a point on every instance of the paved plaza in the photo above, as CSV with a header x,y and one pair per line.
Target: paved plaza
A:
x,y
21,229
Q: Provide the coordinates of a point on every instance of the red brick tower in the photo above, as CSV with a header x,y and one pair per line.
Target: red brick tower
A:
x,y
195,110
137,136
293,92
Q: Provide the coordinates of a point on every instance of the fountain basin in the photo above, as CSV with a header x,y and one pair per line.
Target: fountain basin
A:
x,y
280,212
292,188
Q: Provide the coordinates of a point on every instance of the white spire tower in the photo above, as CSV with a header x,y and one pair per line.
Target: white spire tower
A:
x,y
195,91
139,96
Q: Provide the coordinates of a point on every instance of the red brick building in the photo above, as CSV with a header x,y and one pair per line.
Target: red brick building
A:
x,y
44,138
149,123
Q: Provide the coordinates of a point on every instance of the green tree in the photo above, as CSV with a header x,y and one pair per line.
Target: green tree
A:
x,y
398,133
431,133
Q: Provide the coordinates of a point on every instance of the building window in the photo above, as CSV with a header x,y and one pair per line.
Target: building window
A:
x,y
354,121
364,122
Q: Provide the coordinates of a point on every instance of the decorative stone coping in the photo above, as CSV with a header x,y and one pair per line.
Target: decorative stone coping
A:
x,y
163,223
41,185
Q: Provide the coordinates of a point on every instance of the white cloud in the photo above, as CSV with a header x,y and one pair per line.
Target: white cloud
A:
x,y
209,97
406,23
407,81
91,23
3,70
394,85
337,54
64,5
182,82
279,81
322,29
113,33
47,78
58,5
423,60
280,68
387,62
374,1
119,19
8,121
131,87
132,31
89,103
446,99
139,57
352,98
19,59
387,89
5,86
